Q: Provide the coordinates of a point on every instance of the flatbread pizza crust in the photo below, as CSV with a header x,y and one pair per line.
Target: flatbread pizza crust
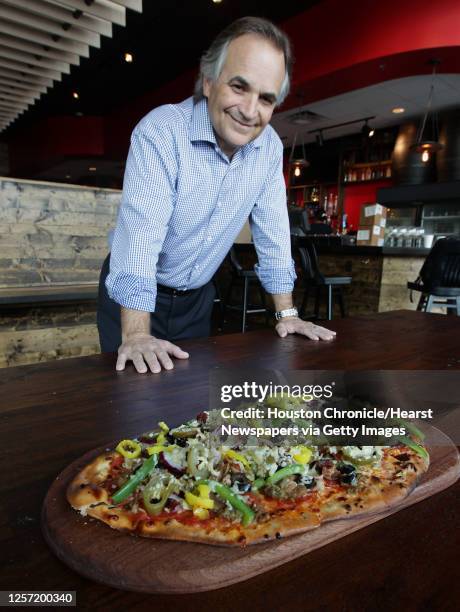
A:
x,y
377,490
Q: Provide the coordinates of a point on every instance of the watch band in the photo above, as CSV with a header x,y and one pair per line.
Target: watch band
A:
x,y
288,312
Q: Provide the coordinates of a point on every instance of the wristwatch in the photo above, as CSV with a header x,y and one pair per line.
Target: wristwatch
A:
x,y
288,312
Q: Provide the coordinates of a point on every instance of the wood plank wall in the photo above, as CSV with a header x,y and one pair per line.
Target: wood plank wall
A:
x,y
51,234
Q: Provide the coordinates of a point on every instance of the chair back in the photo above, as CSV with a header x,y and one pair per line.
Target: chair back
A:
x,y
298,221
442,265
305,264
237,267
242,252
310,250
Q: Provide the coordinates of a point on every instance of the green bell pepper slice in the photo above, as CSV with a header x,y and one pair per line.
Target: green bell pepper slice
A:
x,y
289,470
414,446
412,428
257,484
134,480
234,500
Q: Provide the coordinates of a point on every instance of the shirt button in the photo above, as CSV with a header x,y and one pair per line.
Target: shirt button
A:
x,y
197,267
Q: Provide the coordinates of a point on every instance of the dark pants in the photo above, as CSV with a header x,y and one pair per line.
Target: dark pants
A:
x,y
177,316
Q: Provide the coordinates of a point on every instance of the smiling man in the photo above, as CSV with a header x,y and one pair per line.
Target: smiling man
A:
x,y
196,171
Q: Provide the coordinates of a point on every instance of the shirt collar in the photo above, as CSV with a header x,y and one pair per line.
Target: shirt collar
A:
x,y
201,128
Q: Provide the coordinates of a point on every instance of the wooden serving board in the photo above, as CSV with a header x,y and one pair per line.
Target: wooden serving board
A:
x,y
133,563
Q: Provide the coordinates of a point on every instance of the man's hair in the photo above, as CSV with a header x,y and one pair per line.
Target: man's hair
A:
x,y
213,60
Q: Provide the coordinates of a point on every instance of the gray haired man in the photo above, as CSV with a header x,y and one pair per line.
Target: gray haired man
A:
x,y
196,171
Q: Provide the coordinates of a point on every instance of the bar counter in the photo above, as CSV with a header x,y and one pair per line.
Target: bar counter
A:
x,y
379,274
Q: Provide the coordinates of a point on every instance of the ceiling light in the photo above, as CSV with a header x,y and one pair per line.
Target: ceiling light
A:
x,y
301,162
425,156
431,142
75,95
366,130
68,176
128,57
92,168
304,117
398,110
217,1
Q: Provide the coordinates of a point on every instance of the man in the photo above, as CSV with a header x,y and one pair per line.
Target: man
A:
x,y
195,172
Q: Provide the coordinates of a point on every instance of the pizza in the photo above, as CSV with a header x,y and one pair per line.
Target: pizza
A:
x,y
185,484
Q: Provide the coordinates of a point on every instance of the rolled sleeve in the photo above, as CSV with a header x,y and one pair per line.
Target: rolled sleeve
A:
x,y
271,233
146,206
133,292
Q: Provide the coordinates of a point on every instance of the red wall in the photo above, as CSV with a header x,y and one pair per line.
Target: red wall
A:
x,y
55,138
357,195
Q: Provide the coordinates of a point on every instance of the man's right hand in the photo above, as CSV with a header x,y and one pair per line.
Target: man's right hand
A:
x,y
146,351
143,349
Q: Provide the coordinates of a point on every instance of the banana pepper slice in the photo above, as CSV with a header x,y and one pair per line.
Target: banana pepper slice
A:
x,y
129,449
198,501
231,454
301,454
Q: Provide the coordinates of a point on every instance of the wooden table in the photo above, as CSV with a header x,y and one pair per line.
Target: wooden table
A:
x,y
54,412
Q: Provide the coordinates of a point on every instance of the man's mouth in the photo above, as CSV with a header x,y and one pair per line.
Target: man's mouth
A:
x,y
242,123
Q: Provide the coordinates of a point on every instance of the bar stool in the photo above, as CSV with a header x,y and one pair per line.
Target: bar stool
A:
x,y
314,279
244,277
439,277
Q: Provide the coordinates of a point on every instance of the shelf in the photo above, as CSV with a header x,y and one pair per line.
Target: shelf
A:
x,y
440,217
384,162
312,185
376,180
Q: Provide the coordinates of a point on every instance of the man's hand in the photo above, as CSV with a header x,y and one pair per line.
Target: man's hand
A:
x,y
294,325
145,350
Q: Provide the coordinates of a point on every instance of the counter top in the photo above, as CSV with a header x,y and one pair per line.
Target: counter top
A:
x,y
48,294
331,246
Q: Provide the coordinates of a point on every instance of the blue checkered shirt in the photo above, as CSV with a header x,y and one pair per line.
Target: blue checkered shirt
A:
x,y
184,203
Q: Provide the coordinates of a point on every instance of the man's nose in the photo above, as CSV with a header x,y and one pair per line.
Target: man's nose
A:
x,y
249,107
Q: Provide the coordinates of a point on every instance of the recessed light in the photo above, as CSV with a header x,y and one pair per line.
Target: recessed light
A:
x,y
92,168
398,110
68,176
217,1
128,57
75,95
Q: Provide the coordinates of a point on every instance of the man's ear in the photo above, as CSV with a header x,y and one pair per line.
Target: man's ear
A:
x,y
206,87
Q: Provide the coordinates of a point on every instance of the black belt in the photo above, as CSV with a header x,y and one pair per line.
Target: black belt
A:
x,y
172,291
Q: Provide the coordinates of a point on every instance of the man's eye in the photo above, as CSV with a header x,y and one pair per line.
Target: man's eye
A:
x,y
237,86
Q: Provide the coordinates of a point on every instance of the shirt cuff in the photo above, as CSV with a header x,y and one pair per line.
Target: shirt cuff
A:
x,y
276,280
132,292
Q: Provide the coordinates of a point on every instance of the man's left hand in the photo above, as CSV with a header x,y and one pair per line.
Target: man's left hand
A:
x,y
295,325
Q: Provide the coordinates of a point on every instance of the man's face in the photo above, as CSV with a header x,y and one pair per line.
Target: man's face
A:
x,y
241,101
